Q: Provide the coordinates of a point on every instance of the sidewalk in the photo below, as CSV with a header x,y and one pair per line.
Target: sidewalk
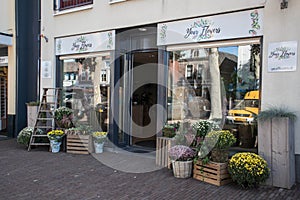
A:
x,y
39,174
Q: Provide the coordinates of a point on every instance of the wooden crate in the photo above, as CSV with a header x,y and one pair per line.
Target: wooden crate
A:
x,y
78,144
163,144
212,172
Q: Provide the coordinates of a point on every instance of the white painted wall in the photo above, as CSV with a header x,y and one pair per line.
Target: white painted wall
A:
x,y
282,88
7,25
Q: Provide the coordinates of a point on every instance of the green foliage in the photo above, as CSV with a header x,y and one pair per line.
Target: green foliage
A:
x,y
248,169
274,112
222,139
80,130
33,103
63,117
201,128
99,136
25,134
169,130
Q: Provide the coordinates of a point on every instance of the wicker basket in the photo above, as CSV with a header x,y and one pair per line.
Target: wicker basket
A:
x,y
182,169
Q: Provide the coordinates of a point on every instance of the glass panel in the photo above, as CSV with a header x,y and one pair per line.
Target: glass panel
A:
x,y
65,4
86,91
219,84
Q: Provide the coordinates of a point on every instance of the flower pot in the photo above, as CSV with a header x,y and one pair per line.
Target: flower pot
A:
x,y
182,169
55,146
219,155
98,147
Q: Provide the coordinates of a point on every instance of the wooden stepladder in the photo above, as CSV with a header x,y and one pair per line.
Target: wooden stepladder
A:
x,y
45,121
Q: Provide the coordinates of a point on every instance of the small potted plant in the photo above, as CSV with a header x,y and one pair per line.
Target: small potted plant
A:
x,y
55,137
169,130
64,117
25,135
182,160
248,169
201,128
218,142
99,139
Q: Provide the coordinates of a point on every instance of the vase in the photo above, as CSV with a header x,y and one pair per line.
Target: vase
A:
x,y
98,147
55,146
182,169
219,155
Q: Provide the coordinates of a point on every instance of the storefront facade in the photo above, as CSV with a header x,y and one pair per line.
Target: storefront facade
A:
x,y
201,62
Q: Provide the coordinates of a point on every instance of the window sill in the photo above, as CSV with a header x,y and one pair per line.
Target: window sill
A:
x,y
116,1
71,10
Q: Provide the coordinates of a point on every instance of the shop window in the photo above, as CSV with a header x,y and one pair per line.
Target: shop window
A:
x,y
86,90
66,4
221,84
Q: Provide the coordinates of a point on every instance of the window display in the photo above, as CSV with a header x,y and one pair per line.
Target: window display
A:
x,y
86,90
218,84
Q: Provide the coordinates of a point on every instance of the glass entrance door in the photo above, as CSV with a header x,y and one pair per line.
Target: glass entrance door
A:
x,y
139,95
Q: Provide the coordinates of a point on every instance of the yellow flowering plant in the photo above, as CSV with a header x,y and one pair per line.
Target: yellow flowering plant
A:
x,y
99,137
55,135
248,169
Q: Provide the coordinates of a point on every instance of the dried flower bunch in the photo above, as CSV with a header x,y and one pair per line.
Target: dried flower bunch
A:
x,y
181,153
248,169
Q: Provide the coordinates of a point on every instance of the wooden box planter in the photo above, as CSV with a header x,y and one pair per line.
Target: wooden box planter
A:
x,y
212,172
79,144
163,144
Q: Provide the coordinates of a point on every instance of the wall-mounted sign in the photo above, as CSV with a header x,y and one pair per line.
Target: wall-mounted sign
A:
x,y
4,60
218,27
94,42
46,69
282,56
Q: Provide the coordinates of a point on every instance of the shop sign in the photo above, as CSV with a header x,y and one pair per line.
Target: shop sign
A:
x,y
282,56
46,69
218,27
94,42
4,60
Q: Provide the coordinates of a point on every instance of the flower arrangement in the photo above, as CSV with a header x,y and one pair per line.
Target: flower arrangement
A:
x,y
248,169
25,135
64,117
181,153
169,130
55,135
201,129
217,142
99,137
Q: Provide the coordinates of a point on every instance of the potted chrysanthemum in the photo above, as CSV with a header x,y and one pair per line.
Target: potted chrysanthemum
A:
x,y
248,169
182,160
55,137
99,139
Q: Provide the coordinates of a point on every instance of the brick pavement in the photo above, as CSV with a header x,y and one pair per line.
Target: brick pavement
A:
x,y
39,174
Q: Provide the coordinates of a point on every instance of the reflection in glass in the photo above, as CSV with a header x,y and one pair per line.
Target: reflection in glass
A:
x,y
86,91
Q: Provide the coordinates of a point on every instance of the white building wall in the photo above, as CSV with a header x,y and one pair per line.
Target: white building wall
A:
x,y
279,25
281,88
7,25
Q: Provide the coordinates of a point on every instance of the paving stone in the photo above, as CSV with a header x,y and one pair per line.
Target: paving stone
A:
x,y
40,174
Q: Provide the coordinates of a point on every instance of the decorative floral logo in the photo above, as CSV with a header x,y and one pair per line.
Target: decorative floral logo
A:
x,y
81,44
58,46
281,53
201,30
163,33
255,24
110,40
